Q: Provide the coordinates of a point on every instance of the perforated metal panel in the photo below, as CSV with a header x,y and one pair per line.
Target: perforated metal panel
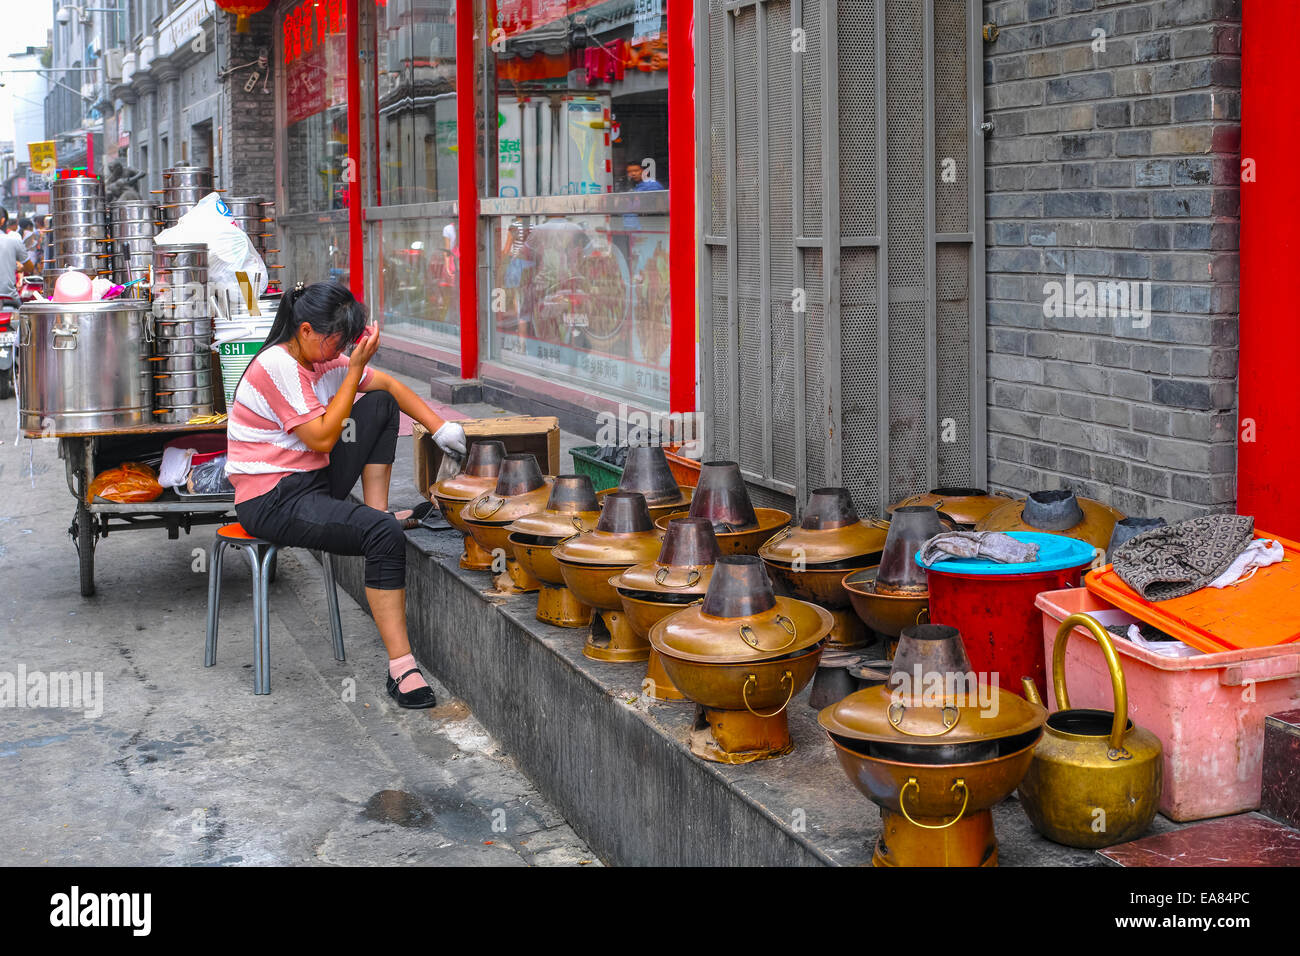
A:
x,y
951,107
905,226
952,268
857,103
860,376
719,137
816,421
844,315
780,258
810,70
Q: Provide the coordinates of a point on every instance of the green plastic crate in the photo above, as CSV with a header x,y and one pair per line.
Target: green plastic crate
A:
x,y
603,475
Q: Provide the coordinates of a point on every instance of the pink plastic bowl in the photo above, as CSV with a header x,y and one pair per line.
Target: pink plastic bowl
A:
x,y
72,287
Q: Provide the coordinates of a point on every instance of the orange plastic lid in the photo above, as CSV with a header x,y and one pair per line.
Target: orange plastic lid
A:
x,y
1263,611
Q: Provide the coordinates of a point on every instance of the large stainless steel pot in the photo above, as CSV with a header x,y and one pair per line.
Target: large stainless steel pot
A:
x,y
83,366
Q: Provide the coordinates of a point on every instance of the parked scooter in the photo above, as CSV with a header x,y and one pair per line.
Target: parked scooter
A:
x,y
28,287
8,343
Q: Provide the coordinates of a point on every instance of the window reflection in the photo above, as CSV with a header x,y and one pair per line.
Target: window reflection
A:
x,y
582,92
585,299
416,95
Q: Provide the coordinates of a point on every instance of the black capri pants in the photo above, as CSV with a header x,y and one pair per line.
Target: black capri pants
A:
x,y
311,509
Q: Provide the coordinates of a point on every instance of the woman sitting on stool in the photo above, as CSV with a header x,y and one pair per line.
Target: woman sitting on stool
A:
x,y
299,438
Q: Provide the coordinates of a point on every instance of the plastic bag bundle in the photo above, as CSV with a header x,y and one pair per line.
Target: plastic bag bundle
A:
x,y
130,482
209,478
229,249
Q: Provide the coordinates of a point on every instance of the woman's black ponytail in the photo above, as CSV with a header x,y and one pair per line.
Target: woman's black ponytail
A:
x,y
283,327
328,307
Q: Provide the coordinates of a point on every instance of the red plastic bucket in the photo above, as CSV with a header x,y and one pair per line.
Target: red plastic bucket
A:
x,y
1000,624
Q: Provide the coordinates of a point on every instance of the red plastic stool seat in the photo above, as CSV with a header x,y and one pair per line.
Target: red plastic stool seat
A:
x,y
235,532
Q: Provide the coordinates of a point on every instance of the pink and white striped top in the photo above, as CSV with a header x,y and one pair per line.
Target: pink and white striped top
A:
x,y
275,397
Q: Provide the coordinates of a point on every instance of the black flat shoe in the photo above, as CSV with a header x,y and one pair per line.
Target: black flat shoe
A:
x,y
414,519
419,699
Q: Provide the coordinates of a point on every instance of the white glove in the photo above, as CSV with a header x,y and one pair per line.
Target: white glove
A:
x,y
451,439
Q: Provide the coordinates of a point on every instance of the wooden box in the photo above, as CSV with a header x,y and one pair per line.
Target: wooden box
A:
x,y
535,435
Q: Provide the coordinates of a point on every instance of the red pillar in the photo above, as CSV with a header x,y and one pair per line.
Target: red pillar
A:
x,y
356,244
1268,436
682,230
467,189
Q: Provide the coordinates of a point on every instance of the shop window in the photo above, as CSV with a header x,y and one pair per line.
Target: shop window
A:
x,y
419,276
316,170
415,101
578,231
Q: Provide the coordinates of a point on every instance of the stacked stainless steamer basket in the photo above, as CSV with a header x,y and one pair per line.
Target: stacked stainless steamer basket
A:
x,y
80,228
133,232
255,215
183,187
182,326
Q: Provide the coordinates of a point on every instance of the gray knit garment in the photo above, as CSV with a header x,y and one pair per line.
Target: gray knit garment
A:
x,y
1180,558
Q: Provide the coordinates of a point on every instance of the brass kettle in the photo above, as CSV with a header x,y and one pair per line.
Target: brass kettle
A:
x,y
1095,779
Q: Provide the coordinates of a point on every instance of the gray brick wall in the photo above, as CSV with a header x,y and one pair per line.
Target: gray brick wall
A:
x,y
248,155
1108,165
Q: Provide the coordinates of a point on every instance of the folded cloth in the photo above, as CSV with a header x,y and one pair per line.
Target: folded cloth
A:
x,y
1176,560
992,545
1260,553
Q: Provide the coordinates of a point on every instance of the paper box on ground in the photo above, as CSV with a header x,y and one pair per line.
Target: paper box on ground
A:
x,y
535,435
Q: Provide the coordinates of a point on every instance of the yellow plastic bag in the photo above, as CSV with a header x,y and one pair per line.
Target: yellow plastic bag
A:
x,y
129,483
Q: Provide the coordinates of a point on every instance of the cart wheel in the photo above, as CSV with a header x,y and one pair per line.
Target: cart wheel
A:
x,y
86,549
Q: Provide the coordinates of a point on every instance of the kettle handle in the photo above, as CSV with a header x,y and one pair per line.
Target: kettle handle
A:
x,y
1118,687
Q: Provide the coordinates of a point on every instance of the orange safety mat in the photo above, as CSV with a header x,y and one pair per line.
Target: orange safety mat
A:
x,y
1263,611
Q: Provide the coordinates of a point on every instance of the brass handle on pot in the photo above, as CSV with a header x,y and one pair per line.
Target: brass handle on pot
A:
x,y
926,611
902,712
661,578
478,507
577,523
786,625
911,782
753,678
779,536
1117,684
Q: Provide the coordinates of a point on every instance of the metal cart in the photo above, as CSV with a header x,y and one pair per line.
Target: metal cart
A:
x,y
85,454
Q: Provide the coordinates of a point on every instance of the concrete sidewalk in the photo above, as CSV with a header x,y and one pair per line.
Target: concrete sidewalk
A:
x,y
185,765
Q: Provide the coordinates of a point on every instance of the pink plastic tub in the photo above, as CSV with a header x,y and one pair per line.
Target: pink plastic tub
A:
x,y
1207,710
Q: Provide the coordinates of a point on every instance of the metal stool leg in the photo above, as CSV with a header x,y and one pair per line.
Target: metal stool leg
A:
x,y
255,563
332,599
215,556
264,640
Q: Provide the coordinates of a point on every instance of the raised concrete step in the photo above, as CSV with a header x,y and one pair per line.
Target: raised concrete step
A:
x,y
616,764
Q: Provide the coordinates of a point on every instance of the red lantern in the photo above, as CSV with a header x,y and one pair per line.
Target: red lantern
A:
x,y
242,9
